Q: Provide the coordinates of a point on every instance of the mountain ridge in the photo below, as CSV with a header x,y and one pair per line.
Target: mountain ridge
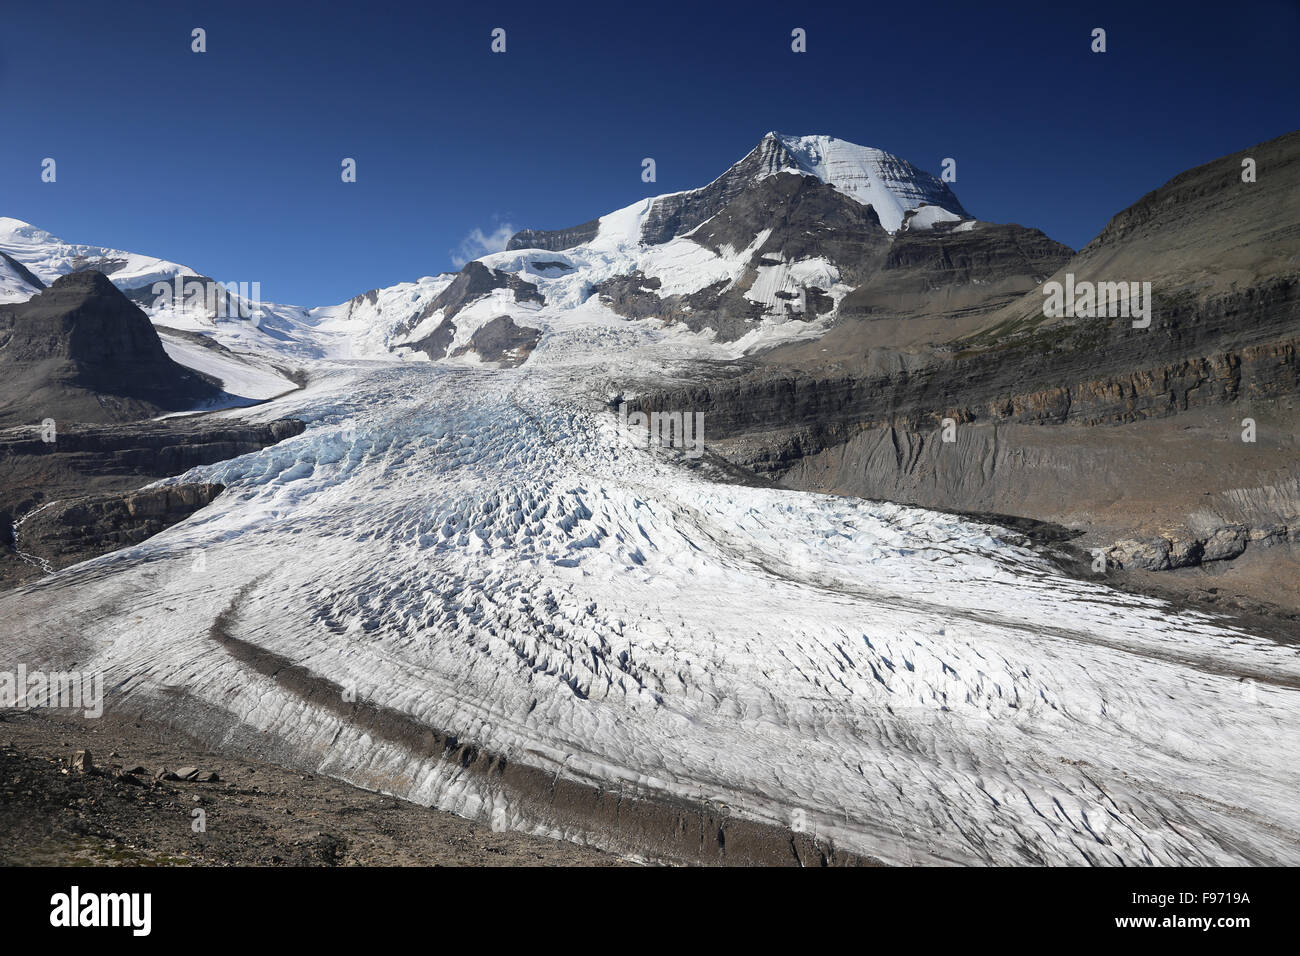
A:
x,y
664,257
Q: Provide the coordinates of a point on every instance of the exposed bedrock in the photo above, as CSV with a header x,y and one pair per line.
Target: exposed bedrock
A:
x,y
1157,495
501,341
154,449
69,531
956,273
474,283
554,239
76,497
1102,372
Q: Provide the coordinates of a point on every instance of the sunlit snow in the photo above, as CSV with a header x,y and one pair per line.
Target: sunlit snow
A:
x,y
479,549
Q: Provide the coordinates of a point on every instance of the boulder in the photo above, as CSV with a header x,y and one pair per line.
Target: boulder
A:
x,y
1225,543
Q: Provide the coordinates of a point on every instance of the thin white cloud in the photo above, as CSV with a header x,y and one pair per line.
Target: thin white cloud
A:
x,y
480,243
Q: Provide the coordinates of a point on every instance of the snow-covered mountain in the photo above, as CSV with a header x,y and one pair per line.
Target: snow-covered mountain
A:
x,y
49,257
31,258
250,362
17,282
766,252
892,186
528,600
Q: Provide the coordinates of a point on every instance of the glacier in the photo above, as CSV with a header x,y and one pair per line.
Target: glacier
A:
x,y
478,554
478,551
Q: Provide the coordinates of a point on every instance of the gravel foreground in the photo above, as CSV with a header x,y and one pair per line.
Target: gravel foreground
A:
x,y
254,814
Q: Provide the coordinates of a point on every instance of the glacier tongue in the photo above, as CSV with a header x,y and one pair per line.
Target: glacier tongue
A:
x,y
480,552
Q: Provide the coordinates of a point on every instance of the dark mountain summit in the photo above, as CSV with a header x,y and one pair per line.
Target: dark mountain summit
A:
x,y
82,351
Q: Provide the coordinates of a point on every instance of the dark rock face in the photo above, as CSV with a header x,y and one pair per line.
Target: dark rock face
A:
x,y
82,351
806,218
436,343
999,262
153,449
87,481
724,310
84,317
551,265
678,214
474,282
75,530
554,240
1183,549
500,340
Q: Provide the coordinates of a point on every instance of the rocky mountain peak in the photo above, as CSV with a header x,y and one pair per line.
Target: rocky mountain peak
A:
x,y
892,186
81,350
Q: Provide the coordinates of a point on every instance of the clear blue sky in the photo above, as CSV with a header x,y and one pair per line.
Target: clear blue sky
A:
x,y
229,161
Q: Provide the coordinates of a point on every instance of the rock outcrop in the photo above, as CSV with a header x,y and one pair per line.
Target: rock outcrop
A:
x,y
502,342
74,530
554,240
81,351
77,497
154,449
474,282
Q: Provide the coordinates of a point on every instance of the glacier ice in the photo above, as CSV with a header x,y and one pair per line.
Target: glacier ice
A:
x,y
479,551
